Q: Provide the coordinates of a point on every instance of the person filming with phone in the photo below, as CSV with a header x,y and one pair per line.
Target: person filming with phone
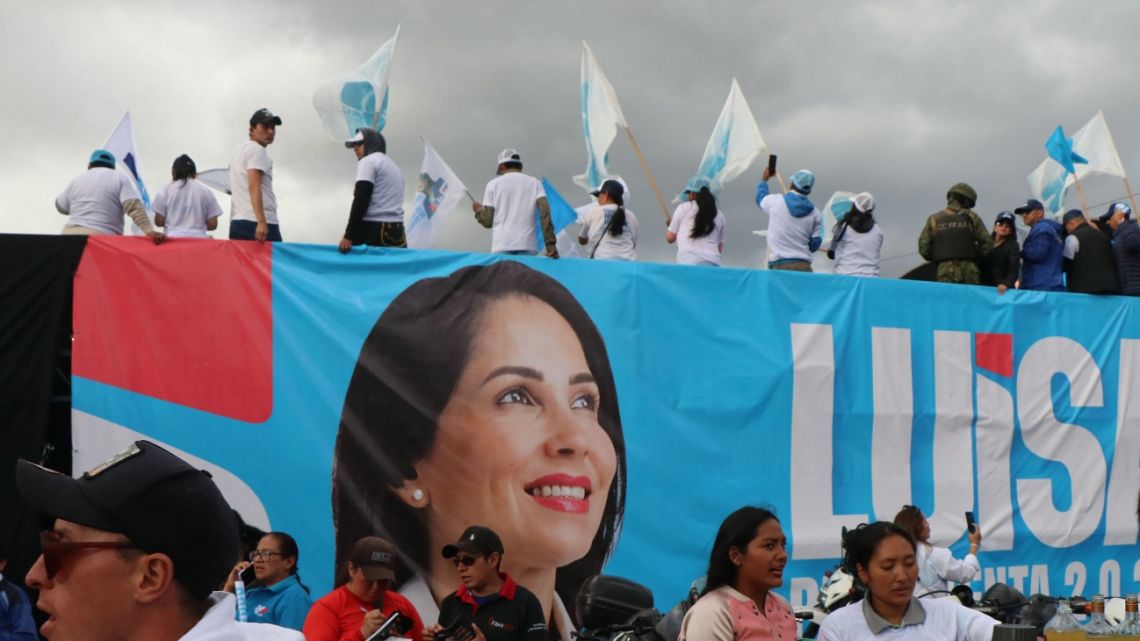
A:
x,y
489,605
938,570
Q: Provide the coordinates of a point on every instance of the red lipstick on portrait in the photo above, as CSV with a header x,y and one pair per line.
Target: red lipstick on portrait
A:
x,y
565,503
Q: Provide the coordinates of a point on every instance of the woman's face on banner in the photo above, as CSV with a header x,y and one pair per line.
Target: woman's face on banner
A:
x,y
519,447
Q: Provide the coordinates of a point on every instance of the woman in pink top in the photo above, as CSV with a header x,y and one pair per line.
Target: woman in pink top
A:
x,y
747,561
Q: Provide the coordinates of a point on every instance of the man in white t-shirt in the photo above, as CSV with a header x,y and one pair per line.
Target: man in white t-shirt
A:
x,y
508,210
253,207
377,214
96,200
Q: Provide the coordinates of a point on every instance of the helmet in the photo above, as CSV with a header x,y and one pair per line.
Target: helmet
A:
x,y
964,192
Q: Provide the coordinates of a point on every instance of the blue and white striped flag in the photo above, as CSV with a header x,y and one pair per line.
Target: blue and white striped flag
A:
x,y
601,119
350,102
734,145
121,143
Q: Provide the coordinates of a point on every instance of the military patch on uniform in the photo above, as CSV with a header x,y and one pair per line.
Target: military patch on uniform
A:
x,y
131,451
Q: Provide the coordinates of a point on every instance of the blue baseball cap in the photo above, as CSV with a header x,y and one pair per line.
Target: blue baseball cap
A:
x,y
103,156
696,183
803,180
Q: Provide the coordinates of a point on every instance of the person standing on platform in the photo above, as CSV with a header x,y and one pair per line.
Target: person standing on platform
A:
x,y
1126,248
185,207
508,210
96,200
377,214
794,224
1089,265
697,227
1041,254
857,243
1005,260
609,229
253,207
956,238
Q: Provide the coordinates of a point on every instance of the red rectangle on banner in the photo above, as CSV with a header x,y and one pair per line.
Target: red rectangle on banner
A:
x,y
189,321
994,352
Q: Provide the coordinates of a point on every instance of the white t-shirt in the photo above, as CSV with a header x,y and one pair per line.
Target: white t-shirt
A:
x,y
945,620
1072,246
95,199
186,206
858,254
514,196
696,251
387,204
622,247
250,155
939,570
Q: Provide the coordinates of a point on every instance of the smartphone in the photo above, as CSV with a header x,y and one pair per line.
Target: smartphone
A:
x,y
390,626
772,163
247,575
971,524
457,631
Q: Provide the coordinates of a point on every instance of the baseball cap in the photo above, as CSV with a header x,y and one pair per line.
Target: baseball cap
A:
x,y
1030,205
509,155
803,180
102,156
158,501
611,187
1071,214
864,202
265,116
358,139
375,557
1116,207
1005,217
696,183
476,540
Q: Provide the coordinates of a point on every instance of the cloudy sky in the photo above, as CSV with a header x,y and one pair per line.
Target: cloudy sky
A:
x,y
902,99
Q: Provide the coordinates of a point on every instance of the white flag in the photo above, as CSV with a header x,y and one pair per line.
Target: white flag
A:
x,y
601,119
439,191
218,179
121,143
359,98
735,142
1049,183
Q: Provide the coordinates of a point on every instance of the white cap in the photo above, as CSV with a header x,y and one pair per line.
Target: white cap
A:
x,y
509,155
864,202
355,140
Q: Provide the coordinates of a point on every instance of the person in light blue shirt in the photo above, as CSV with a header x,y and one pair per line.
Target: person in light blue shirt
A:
x,y
277,596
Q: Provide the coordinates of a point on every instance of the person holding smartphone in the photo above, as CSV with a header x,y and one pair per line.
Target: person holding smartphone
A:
x,y
279,597
489,605
938,569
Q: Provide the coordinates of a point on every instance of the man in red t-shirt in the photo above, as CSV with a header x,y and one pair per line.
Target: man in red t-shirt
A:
x,y
356,609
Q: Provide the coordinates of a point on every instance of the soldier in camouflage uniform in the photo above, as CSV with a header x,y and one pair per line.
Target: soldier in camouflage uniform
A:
x,y
956,238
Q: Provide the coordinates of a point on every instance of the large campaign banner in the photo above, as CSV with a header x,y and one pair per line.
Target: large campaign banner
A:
x,y
605,417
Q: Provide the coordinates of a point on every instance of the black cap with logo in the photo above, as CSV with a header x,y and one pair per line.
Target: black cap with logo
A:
x,y
475,540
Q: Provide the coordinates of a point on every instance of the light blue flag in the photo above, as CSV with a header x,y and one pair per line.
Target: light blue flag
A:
x,y
561,214
601,120
1060,149
350,102
734,145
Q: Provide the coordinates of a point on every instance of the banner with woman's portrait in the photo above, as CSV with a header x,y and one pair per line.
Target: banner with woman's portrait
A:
x,y
604,417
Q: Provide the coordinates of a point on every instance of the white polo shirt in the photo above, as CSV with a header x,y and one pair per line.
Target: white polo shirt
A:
x,y
250,155
928,620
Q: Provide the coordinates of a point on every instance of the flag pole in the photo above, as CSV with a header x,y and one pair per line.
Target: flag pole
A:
x,y
1081,193
780,180
1131,198
649,175
375,119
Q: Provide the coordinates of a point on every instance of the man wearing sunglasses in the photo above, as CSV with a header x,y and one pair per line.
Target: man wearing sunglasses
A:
x,y
489,605
138,546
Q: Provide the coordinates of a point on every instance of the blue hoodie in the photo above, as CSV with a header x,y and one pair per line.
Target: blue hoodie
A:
x,y
1041,257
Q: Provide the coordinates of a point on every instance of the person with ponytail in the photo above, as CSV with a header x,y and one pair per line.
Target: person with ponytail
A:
x,y
882,557
857,241
697,226
186,207
277,596
745,566
610,230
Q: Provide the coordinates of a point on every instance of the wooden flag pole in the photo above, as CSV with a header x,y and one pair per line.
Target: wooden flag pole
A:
x,y
649,176
780,180
375,119
1131,198
1081,193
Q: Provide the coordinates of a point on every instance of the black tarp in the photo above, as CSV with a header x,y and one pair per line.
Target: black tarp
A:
x,y
36,274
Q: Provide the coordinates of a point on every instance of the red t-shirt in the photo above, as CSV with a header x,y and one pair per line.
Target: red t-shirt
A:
x,y
337,616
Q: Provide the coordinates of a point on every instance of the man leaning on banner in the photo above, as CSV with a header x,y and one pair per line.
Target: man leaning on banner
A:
x,y
96,200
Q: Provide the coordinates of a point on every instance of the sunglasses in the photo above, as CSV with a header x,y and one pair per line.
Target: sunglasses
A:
x,y
466,560
54,549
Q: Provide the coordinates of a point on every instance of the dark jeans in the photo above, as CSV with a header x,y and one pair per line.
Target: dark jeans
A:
x,y
245,230
376,234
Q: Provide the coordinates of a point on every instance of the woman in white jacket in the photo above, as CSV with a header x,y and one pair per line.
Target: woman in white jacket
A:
x,y
938,570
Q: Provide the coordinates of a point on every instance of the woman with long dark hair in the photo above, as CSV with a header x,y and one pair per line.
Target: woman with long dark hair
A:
x,y
697,227
186,207
857,241
277,596
1004,261
746,564
610,230
938,570
483,397
882,556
